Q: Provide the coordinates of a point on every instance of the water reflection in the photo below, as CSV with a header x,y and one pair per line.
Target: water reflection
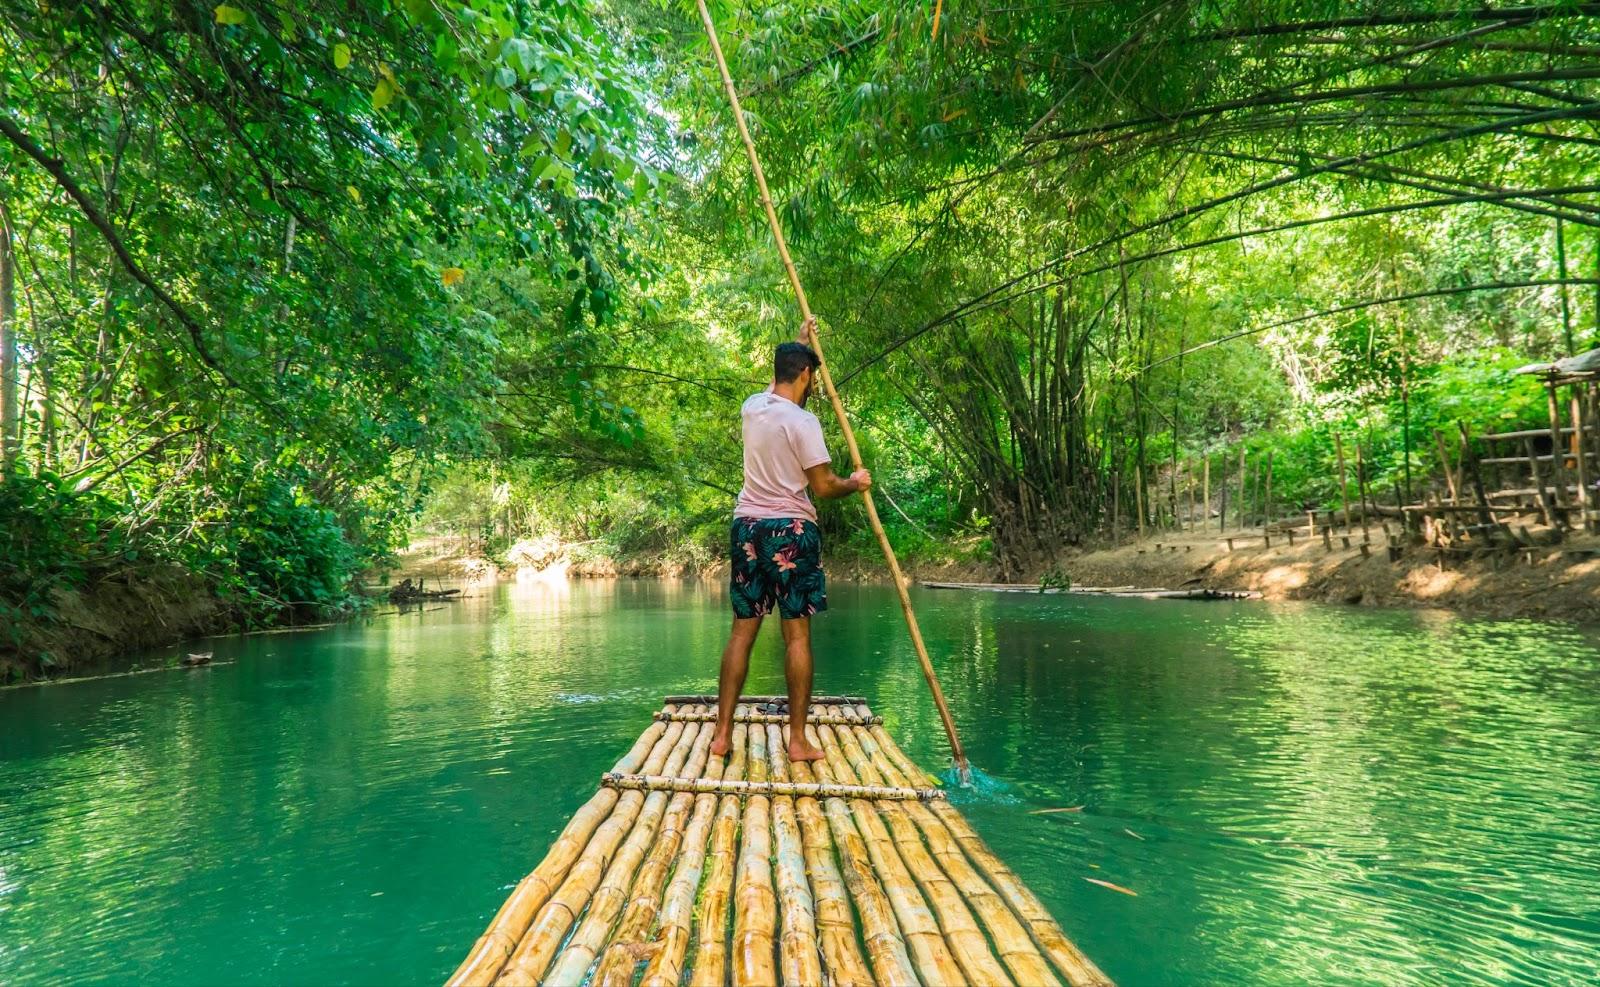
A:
x,y
1296,794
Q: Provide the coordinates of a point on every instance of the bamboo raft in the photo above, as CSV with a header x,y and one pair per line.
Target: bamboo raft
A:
x,y
686,867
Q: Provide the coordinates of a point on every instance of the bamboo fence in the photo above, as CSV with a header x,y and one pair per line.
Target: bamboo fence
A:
x,y
748,869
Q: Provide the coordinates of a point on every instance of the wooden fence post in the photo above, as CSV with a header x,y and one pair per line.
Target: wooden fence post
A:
x,y
1585,498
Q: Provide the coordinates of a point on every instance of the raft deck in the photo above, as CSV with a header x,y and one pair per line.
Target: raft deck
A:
x,y
690,868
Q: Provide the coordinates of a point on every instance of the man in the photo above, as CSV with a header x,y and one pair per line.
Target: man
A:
x,y
775,547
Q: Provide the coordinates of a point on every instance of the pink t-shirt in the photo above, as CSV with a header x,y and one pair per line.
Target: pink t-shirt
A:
x,y
781,441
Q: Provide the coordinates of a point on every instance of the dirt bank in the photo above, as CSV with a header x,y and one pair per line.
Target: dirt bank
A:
x,y
112,617
1561,582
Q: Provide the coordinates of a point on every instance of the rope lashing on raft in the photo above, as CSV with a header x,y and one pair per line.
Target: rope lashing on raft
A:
x,y
959,756
826,718
794,789
711,700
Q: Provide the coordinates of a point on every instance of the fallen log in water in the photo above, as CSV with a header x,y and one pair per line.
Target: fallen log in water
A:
x,y
1151,593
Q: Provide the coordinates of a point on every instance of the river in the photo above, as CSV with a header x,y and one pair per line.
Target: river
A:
x,y
1296,793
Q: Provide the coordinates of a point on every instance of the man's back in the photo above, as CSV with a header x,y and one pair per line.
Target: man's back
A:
x,y
781,441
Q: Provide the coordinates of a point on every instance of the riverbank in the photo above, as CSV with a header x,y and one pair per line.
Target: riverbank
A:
x,y
112,617
1555,582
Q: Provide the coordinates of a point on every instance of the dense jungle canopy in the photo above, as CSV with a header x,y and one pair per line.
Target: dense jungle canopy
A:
x,y
277,274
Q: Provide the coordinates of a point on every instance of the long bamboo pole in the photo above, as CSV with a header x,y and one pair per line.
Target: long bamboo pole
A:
x,y
956,753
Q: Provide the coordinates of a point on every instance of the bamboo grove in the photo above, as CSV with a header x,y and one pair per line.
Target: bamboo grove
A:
x,y
271,263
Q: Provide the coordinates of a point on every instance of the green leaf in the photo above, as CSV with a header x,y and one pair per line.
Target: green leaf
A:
x,y
230,15
382,94
341,55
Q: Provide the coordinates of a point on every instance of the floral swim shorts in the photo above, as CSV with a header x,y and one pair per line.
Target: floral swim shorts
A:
x,y
776,562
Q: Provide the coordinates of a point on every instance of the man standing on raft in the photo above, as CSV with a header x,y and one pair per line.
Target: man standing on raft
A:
x,y
775,548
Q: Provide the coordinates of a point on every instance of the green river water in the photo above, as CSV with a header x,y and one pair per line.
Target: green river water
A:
x,y
1298,794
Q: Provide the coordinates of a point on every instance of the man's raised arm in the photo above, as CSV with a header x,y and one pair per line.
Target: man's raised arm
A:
x,y
828,485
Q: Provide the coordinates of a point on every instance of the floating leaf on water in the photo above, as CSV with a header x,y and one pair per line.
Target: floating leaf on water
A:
x,y
1040,812
1114,887
1132,833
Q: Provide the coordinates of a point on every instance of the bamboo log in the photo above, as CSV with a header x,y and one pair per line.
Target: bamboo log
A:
x,y
956,922
710,716
552,922
659,783
572,964
880,931
755,907
836,933
665,966
934,962
1077,968
631,942
1011,939
799,954
711,952
509,924
895,574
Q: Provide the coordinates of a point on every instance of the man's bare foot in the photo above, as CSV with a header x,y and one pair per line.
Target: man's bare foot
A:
x,y
802,751
720,746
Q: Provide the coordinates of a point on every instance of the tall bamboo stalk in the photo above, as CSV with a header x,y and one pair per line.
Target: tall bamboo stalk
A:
x,y
496,944
550,926
731,92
